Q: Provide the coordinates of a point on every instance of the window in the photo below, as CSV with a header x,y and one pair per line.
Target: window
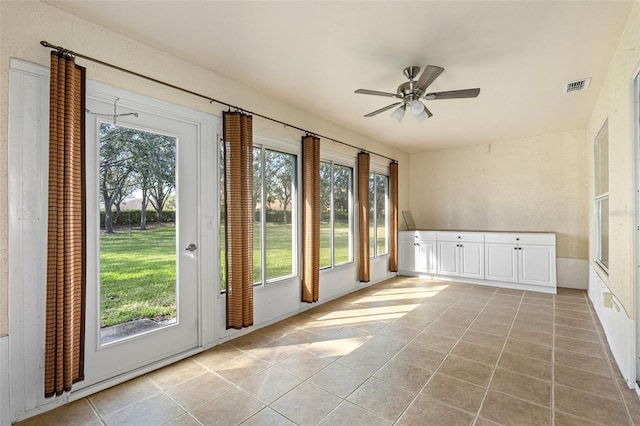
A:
x,y
336,183
378,214
274,230
601,198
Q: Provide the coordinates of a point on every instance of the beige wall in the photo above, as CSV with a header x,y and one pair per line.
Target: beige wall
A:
x,y
615,103
24,24
534,184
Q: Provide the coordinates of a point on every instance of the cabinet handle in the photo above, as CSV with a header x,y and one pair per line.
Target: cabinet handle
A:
x,y
515,248
519,248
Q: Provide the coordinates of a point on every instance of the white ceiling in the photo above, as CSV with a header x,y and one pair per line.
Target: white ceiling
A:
x,y
314,54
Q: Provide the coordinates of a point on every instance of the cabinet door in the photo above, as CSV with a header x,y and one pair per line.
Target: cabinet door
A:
x,y
426,257
472,260
406,256
501,262
448,263
537,265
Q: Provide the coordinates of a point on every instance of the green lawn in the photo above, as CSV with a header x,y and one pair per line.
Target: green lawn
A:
x,y
137,275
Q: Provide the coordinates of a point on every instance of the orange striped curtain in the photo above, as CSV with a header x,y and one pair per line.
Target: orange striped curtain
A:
x,y
363,215
311,219
238,195
66,269
393,217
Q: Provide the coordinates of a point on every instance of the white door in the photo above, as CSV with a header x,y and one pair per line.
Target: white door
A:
x,y
501,262
536,265
472,260
142,284
448,258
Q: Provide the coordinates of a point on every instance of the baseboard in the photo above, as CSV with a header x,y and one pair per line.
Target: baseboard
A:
x,y
572,273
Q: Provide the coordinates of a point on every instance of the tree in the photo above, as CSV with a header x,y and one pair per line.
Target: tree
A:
x,y
163,165
115,167
279,174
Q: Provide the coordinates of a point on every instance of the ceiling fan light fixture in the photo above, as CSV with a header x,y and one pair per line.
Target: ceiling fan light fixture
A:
x,y
398,114
417,107
422,116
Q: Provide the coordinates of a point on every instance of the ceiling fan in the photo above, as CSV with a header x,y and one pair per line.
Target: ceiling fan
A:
x,y
413,90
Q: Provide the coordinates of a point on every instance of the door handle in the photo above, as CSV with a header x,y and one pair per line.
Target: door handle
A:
x,y
191,247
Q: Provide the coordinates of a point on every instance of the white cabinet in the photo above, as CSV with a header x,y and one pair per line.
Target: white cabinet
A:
x,y
461,254
525,261
521,258
417,252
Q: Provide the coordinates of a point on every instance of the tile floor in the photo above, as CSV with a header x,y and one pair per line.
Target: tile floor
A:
x,y
406,351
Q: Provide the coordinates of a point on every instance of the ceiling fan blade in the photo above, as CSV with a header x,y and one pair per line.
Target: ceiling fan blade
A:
x,y
429,114
375,92
454,94
371,114
430,73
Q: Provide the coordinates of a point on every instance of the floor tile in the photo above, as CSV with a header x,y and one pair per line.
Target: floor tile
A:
x,y
535,326
484,339
406,376
588,406
364,360
177,373
183,420
467,370
123,395
583,362
455,392
520,386
564,419
531,350
420,356
78,412
527,366
426,411
578,333
382,398
532,336
216,356
350,414
199,390
484,354
268,417
269,385
304,364
581,346
241,368
229,408
451,331
273,353
306,404
335,346
507,410
586,381
434,341
152,411
587,324
338,379
251,340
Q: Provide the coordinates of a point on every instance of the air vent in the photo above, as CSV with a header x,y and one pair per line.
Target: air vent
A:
x,y
574,86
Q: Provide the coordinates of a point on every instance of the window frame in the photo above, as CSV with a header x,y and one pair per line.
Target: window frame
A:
x,y
351,203
600,198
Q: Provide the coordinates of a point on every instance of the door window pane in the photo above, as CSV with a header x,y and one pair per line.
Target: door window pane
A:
x,y
382,190
137,231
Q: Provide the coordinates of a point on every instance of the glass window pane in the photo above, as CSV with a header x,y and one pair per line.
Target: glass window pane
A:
x,y
280,183
257,214
325,215
342,184
138,230
382,189
602,161
603,238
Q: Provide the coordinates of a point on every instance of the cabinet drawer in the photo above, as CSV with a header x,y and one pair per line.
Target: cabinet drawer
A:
x,y
426,235
474,237
529,238
407,235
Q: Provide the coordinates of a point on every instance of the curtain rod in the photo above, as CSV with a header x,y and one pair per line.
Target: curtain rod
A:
x,y
210,99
